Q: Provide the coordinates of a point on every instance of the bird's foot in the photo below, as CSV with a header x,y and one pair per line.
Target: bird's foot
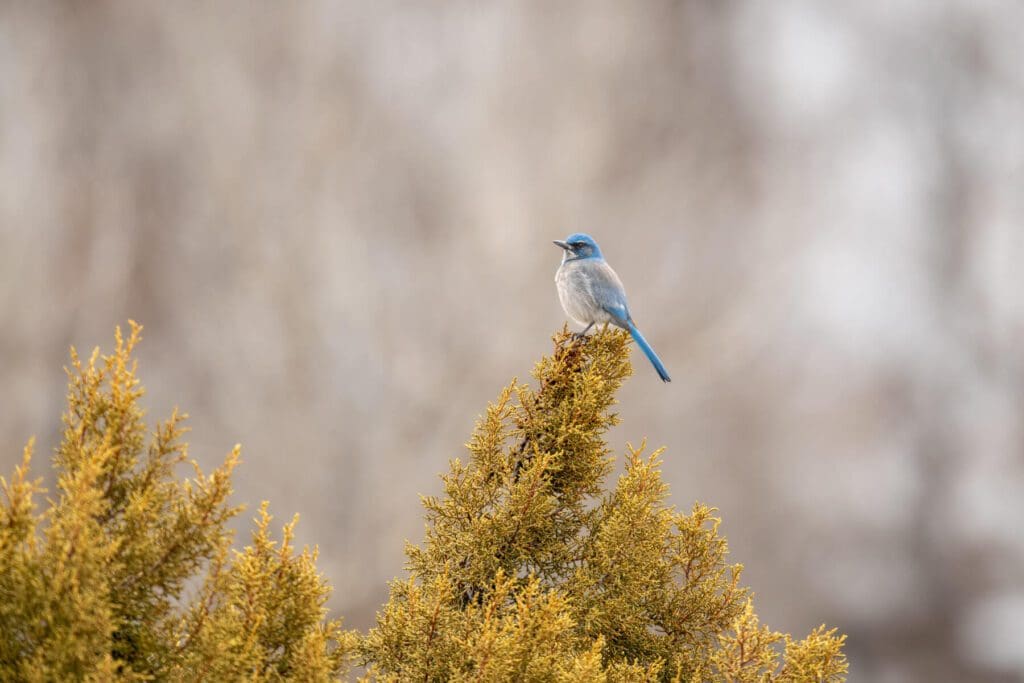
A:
x,y
580,336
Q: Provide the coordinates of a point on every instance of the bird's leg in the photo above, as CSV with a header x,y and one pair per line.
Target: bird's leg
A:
x,y
580,335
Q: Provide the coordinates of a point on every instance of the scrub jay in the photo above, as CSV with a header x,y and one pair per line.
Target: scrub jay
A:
x,y
592,293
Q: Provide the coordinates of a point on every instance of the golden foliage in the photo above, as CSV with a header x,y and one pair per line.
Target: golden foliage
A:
x,y
532,571
94,587
531,568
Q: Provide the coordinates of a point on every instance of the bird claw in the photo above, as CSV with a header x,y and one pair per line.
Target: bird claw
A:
x,y
580,336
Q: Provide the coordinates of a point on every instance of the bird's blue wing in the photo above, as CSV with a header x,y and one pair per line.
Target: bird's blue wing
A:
x,y
608,291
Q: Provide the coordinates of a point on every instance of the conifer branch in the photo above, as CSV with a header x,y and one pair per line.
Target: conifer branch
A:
x,y
554,567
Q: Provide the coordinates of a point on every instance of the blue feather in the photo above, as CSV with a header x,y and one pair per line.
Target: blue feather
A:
x,y
649,352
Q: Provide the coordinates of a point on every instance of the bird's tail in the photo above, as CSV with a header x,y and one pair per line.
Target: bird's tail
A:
x,y
648,351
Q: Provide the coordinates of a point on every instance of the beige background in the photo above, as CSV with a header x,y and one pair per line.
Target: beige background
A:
x,y
335,221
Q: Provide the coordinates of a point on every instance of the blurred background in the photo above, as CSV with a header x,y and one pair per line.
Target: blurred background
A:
x,y
334,220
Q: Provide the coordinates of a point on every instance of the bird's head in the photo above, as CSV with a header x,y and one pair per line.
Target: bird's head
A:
x,y
579,246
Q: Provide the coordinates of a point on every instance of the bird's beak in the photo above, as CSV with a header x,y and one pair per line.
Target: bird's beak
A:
x,y
563,245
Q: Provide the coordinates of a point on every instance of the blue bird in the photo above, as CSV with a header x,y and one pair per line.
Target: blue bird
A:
x,y
592,293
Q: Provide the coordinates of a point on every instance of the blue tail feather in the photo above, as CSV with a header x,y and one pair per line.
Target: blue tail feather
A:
x,y
648,351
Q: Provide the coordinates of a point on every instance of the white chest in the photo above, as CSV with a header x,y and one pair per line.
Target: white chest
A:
x,y
576,292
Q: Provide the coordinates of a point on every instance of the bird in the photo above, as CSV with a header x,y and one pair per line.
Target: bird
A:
x,y
591,293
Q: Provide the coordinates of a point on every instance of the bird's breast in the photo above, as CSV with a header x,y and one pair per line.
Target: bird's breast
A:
x,y
576,294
